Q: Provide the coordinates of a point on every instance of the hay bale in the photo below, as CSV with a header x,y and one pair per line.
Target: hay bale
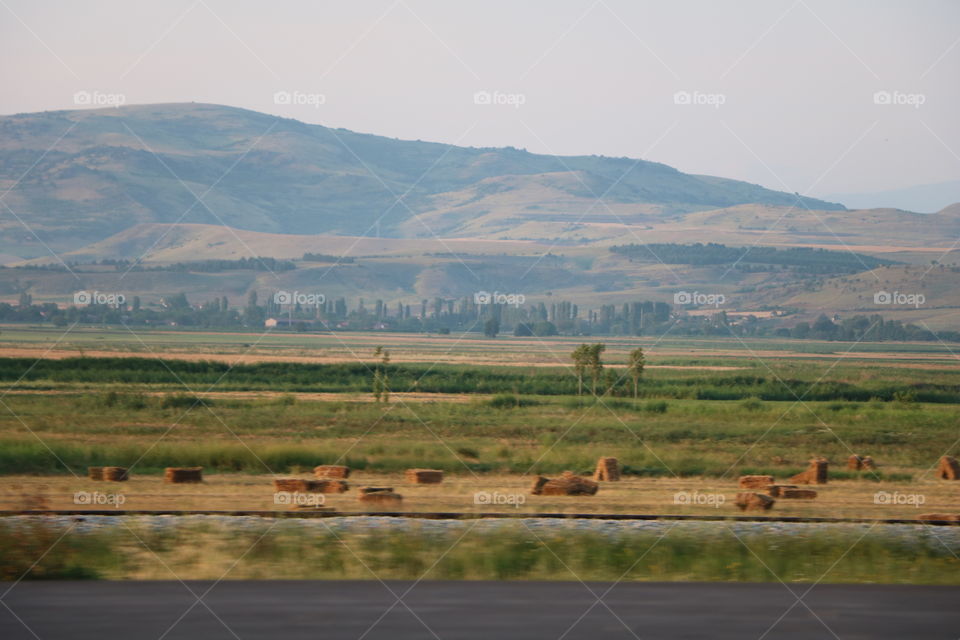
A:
x,y
181,475
380,498
331,471
797,494
749,501
538,483
310,486
334,486
294,484
816,473
366,490
775,489
95,473
754,482
115,474
948,469
423,476
568,484
860,463
939,517
608,470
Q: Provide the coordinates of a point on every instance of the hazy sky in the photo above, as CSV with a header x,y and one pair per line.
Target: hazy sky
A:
x,y
786,89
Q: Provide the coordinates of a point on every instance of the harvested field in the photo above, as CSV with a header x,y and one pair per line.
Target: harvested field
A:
x,y
233,491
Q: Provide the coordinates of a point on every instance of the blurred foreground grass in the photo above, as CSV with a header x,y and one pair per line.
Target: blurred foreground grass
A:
x,y
279,549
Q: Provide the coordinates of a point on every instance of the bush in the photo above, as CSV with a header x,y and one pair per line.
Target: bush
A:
x,y
656,406
510,401
183,401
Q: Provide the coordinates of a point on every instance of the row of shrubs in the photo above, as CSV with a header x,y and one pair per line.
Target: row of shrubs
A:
x,y
357,377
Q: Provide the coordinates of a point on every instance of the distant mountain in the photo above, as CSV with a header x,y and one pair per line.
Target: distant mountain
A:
x,y
924,198
90,174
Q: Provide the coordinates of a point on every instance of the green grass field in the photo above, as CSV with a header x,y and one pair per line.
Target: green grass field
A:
x,y
708,412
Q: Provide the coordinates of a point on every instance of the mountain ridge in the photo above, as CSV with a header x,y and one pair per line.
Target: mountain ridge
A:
x,y
101,171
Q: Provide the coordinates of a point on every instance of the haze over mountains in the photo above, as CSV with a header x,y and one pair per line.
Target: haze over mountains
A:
x,y
923,198
104,171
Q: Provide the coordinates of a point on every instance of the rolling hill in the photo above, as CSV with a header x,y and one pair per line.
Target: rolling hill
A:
x,y
78,177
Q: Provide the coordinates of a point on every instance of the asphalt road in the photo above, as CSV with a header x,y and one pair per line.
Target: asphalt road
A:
x,y
250,610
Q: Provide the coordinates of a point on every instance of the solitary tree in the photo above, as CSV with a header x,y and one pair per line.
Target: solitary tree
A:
x,y
635,366
491,327
381,389
596,365
581,360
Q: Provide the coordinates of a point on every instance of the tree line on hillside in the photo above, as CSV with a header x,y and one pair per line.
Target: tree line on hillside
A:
x,y
804,259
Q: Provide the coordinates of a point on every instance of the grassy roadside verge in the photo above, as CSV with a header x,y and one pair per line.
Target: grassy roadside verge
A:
x,y
510,552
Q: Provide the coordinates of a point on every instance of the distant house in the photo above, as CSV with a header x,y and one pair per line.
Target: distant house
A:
x,y
285,323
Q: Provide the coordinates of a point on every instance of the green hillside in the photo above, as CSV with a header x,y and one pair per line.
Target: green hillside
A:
x,y
117,167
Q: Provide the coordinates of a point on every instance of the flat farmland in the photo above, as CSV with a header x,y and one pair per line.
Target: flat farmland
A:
x,y
492,415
